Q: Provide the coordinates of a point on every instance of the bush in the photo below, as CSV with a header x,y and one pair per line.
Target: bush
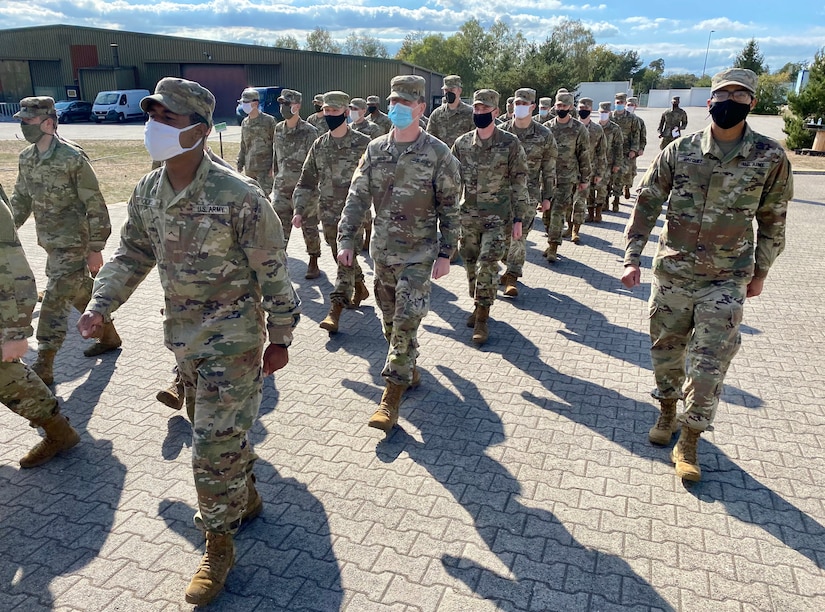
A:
x,y
798,136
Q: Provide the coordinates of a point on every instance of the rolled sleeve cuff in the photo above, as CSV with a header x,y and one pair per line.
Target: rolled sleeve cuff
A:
x,y
280,335
12,334
97,246
633,259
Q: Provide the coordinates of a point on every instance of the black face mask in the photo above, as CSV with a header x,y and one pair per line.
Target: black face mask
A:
x,y
562,113
450,95
482,120
318,108
286,111
371,109
729,113
334,121
584,114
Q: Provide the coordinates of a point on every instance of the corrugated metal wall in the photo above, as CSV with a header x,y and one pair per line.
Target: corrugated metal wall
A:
x,y
263,75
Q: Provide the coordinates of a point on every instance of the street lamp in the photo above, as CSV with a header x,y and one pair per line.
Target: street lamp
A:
x,y
705,65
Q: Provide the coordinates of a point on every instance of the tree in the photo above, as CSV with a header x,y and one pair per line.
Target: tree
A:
x,y
678,81
771,93
751,58
646,79
286,42
321,41
791,69
808,104
607,65
367,46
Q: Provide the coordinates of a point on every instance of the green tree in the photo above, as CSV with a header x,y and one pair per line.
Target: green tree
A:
x,y
678,81
751,58
771,93
606,65
648,78
286,42
364,45
791,69
807,105
321,41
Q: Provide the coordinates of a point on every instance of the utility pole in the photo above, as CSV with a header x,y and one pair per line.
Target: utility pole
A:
x,y
704,67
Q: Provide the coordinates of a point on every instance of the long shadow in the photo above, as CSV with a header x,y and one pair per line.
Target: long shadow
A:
x,y
548,568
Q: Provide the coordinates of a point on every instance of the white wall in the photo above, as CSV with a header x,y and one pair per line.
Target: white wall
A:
x,y
602,91
696,96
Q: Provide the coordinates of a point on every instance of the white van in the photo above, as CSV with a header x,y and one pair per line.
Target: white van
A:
x,y
119,105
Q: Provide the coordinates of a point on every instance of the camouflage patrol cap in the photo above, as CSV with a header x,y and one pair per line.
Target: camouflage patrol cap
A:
x,y
35,106
525,94
336,99
588,102
358,103
621,96
409,87
564,98
290,96
318,99
546,102
373,100
250,94
633,100
451,80
510,100
675,99
562,90
488,97
182,97
605,107
734,76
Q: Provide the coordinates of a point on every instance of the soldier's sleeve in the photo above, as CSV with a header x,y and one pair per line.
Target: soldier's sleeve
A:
x,y
21,201
653,192
634,136
684,120
97,215
771,216
583,156
661,122
242,151
432,126
600,154
548,168
642,135
357,204
261,237
305,194
447,184
618,151
132,261
18,293
519,195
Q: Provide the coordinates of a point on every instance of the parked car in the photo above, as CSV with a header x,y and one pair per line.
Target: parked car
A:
x,y
268,103
73,110
119,105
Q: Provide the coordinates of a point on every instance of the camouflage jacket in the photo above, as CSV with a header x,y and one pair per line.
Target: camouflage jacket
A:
x,y
712,200
367,127
630,130
317,121
672,119
18,293
642,133
381,120
415,193
613,145
219,248
448,124
60,188
598,148
573,141
257,139
291,148
328,170
541,150
493,178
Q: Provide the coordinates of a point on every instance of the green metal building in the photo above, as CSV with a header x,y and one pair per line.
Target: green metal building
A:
x,y
68,62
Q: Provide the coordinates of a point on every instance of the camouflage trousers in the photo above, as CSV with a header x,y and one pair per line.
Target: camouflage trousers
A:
x,y
666,140
608,186
69,284
24,393
263,178
223,395
561,210
481,249
694,330
346,276
403,294
516,250
626,172
312,237
580,204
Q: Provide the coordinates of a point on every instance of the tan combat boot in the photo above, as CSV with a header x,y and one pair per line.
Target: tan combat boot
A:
x,y
361,293
550,253
684,455
480,331
626,192
575,238
509,281
386,417
471,320
43,366
331,322
208,581
663,430
365,246
312,268
173,395
615,203
60,436
109,340
568,232
598,216
590,216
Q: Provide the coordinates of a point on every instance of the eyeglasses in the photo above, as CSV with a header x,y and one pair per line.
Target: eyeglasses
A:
x,y
742,96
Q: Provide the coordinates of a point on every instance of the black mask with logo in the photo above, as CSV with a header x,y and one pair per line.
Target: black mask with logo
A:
x,y
482,120
729,113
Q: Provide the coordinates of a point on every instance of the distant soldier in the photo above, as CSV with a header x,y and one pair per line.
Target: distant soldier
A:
x,y
630,144
598,159
451,120
613,148
357,114
494,199
293,138
545,104
632,105
57,184
255,157
508,114
316,119
21,390
672,123
328,169
416,227
375,115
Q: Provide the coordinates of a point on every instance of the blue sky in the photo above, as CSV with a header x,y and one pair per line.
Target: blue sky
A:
x,y
676,31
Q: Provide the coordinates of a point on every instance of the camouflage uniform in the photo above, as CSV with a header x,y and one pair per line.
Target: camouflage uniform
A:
x,y
415,191
598,159
447,123
630,142
377,117
642,141
705,257
291,148
256,152
316,119
541,152
673,119
613,148
60,188
328,169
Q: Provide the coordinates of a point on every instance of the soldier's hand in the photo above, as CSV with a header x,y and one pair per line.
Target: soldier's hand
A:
x,y
545,205
631,277
275,358
297,221
441,267
632,154
14,349
94,261
517,230
754,287
345,257
615,169
90,324
583,186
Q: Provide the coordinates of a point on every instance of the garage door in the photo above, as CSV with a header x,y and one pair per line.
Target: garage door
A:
x,y
225,81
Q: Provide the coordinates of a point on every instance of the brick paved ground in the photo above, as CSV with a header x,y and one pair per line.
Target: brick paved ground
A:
x,y
522,478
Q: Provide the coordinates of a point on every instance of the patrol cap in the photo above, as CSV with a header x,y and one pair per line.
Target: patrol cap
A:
x,y
409,87
562,90
621,96
734,76
290,96
250,94
564,98
675,99
588,102
373,100
525,94
358,103
510,100
605,107
35,106
318,99
633,100
546,102
451,80
182,97
488,97
335,99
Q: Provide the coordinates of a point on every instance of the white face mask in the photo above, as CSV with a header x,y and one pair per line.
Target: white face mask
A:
x,y
604,116
631,109
521,111
163,141
354,116
246,107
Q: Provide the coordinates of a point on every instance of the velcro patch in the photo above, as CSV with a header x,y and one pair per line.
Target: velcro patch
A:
x,y
211,209
688,159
